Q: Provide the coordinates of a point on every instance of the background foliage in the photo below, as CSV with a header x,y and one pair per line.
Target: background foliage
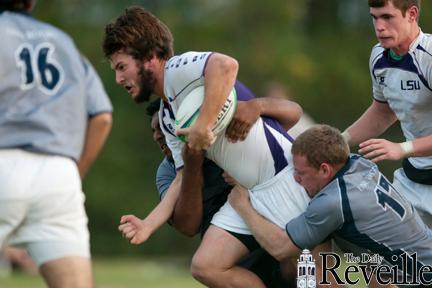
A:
x,y
319,49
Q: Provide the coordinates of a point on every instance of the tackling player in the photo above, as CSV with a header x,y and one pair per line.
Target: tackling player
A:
x,y
141,52
351,200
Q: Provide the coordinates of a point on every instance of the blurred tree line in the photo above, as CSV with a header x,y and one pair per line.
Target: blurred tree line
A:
x,y
319,49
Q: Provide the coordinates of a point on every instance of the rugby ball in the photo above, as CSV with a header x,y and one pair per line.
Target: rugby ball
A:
x,y
189,110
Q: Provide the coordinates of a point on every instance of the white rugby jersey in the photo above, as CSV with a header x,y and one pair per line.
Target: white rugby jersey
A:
x,y
406,85
265,151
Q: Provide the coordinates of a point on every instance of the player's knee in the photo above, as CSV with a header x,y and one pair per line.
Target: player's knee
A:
x,y
201,269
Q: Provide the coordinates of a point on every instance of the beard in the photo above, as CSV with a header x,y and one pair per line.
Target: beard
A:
x,y
146,85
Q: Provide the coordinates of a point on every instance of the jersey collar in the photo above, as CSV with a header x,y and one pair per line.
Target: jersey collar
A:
x,y
416,41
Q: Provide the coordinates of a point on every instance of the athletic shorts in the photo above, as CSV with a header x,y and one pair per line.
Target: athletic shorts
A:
x,y
420,195
279,199
42,205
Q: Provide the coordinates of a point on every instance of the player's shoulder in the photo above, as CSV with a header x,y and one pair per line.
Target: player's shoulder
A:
x,y
425,43
327,200
31,27
186,59
376,52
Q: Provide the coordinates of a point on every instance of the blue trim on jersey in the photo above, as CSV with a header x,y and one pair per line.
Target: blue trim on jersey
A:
x,y
243,93
171,115
277,126
280,162
350,232
377,56
406,64
421,48
205,64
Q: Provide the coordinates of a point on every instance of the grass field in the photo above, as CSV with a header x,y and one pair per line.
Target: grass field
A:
x,y
123,273
130,273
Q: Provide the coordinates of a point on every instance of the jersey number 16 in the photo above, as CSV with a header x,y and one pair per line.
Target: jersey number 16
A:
x,y
39,68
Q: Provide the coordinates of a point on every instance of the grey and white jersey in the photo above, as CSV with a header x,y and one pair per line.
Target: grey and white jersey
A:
x,y
360,206
47,89
406,85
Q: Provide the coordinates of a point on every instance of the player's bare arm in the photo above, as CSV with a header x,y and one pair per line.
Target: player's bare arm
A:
x,y
374,121
272,238
286,112
219,78
158,216
188,210
98,129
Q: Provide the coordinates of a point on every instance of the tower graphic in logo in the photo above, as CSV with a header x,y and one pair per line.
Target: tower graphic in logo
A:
x,y
306,271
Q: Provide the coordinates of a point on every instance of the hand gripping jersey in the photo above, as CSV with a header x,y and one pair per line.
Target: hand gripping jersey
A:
x,y
47,89
361,206
406,85
263,154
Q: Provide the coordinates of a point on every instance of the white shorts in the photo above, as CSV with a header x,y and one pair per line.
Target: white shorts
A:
x,y
279,199
420,195
42,205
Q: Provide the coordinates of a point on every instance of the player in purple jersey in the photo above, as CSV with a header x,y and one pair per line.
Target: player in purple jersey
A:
x,y
139,48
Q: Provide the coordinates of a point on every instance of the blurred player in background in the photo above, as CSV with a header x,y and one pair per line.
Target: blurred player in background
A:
x,y
54,119
401,71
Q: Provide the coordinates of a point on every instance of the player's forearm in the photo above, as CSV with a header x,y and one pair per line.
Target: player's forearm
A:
x,y
164,210
219,79
374,121
286,112
272,238
98,129
188,210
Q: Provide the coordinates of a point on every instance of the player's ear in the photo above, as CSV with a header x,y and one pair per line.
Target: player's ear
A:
x,y
412,13
326,170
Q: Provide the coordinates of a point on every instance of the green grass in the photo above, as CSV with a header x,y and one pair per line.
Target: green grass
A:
x,y
133,273
127,273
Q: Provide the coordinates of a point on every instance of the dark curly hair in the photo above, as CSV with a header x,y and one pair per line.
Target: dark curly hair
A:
x,y
153,107
138,33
